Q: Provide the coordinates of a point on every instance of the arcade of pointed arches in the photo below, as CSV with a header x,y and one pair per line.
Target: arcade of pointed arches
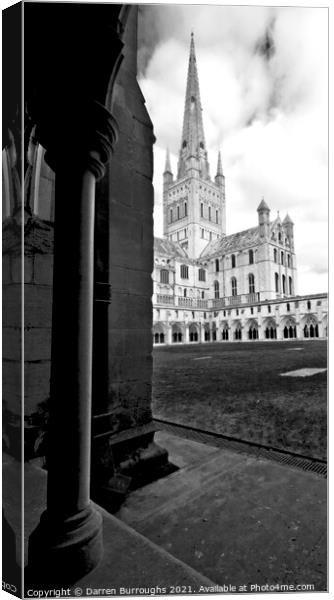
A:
x,y
197,332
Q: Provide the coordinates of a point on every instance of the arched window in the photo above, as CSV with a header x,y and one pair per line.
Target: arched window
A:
x,y
217,216
217,264
185,292
178,212
185,209
164,276
216,289
209,213
237,332
283,284
290,286
288,307
202,209
201,274
233,262
251,257
289,260
184,272
251,283
234,286
275,255
309,304
276,282
171,215
225,332
282,258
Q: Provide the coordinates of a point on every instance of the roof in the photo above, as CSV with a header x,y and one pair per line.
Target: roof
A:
x,y
163,246
232,243
263,205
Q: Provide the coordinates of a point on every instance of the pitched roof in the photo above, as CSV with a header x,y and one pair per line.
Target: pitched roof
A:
x,y
232,243
168,248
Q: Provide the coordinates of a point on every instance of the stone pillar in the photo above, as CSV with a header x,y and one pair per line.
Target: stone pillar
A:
x,y
67,543
186,334
169,334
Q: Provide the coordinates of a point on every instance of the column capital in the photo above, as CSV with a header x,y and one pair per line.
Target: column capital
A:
x,y
79,139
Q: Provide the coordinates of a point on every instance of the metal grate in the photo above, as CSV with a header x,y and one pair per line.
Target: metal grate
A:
x,y
298,461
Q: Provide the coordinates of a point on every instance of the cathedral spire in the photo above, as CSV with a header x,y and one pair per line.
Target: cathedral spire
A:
x,y
193,153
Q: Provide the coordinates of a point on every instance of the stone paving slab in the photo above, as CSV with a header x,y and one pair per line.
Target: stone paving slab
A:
x,y
236,519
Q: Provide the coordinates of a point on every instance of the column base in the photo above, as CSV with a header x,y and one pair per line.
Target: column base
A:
x,y
62,551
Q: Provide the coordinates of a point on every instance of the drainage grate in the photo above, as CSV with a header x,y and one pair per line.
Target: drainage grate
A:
x,y
298,461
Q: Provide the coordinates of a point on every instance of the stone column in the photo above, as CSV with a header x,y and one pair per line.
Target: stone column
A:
x,y
67,543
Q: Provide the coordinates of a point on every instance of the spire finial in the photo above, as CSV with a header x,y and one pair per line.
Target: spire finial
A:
x,y
219,164
167,163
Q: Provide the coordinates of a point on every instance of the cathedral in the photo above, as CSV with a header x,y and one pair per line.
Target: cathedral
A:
x,y
209,286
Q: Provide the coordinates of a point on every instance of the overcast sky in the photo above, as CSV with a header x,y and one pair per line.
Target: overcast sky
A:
x,y
263,80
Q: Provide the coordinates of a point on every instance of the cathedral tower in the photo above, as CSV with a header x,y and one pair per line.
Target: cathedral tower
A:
x,y
194,205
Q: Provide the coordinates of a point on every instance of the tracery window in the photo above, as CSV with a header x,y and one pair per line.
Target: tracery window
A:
x,y
234,286
164,276
251,283
184,270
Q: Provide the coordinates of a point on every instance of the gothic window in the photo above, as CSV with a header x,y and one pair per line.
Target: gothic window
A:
x,y
289,260
309,304
253,333
269,308
283,284
203,295
234,286
282,258
251,257
178,212
209,213
276,282
171,215
216,288
290,286
185,293
201,274
233,262
279,237
288,307
217,264
164,276
275,255
202,210
185,209
251,283
216,216
184,272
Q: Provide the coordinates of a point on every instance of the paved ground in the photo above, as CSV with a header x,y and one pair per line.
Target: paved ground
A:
x,y
223,517
237,520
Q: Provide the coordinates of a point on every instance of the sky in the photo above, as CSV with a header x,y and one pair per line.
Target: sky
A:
x,y
263,74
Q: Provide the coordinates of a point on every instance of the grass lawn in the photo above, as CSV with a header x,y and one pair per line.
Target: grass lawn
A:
x,y
236,389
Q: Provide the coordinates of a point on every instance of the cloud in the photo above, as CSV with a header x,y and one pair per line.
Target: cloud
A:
x,y
263,81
